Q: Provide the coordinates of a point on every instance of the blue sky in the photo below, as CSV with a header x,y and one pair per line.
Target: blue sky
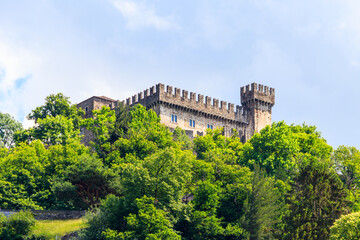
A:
x,y
309,51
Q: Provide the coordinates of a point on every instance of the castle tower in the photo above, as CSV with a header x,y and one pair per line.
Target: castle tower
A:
x,y
257,101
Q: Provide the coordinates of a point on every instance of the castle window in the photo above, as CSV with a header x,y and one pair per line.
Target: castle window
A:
x,y
210,126
86,109
192,123
174,118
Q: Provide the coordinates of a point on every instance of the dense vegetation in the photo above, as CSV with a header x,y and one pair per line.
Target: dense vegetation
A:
x,y
140,181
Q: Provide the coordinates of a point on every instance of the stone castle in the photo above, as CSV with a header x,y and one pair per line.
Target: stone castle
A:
x,y
190,112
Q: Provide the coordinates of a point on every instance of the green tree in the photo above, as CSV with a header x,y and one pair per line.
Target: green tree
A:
x,y
346,228
89,179
8,127
148,223
347,162
262,208
317,199
101,125
55,105
277,148
55,130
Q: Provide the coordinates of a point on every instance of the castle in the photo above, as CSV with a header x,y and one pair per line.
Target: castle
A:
x,y
191,113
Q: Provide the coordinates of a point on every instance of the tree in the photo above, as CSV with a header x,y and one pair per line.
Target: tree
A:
x,y
90,179
8,127
262,208
101,125
346,228
347,163
55,130
147,223
277,148
56,105
316,200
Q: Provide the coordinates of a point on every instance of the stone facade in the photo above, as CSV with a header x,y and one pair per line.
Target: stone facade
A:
x,y
195,112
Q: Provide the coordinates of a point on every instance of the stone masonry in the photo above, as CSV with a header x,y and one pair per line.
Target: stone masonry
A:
x,y
195,112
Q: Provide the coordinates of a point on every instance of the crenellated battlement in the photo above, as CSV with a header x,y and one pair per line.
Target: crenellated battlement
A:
x,y
184,99
257,92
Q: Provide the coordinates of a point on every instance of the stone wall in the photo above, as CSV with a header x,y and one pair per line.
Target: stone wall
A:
x,y
50,215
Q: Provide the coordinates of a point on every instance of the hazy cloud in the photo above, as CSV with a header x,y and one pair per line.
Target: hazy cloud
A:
x,y
138,15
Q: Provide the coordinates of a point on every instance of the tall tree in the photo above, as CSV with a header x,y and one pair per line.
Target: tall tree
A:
x,y
347,162
8,127
57,104
317,199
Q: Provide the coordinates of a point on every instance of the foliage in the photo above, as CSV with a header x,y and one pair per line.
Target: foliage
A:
x,y
57,105
148,223
262,208
347,162
101,125
346,228
277,148
16,227
88,178
8,127
317,199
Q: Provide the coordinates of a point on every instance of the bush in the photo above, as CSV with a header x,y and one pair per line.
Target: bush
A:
x,y
346,228
16,227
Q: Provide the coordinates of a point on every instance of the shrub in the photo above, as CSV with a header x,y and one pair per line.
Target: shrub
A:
x,y
346,228
16,227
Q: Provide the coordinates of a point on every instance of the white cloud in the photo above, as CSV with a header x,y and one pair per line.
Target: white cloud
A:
x,y
138,15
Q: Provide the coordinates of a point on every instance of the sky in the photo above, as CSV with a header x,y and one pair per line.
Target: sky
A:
x,y
309,51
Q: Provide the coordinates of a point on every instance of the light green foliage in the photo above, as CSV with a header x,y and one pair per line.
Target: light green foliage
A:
x,y
277,148
55,130
57,105
148,223
57,122
145,135
22,175
101,125
347,162
182,139
16,227
8,127
346,228
163,176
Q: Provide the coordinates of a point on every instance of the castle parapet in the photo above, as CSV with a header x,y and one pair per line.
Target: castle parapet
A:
x,y
182,98
257,92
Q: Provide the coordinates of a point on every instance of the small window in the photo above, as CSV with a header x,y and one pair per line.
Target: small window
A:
x,y
210,126
192,123
174,118
86,109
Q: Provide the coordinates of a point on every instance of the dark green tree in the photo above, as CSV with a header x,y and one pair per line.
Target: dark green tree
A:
x,y
316,200
89,179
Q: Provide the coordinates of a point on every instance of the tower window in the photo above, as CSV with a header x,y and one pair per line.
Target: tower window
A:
x,y
174,118
192,123
210,126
